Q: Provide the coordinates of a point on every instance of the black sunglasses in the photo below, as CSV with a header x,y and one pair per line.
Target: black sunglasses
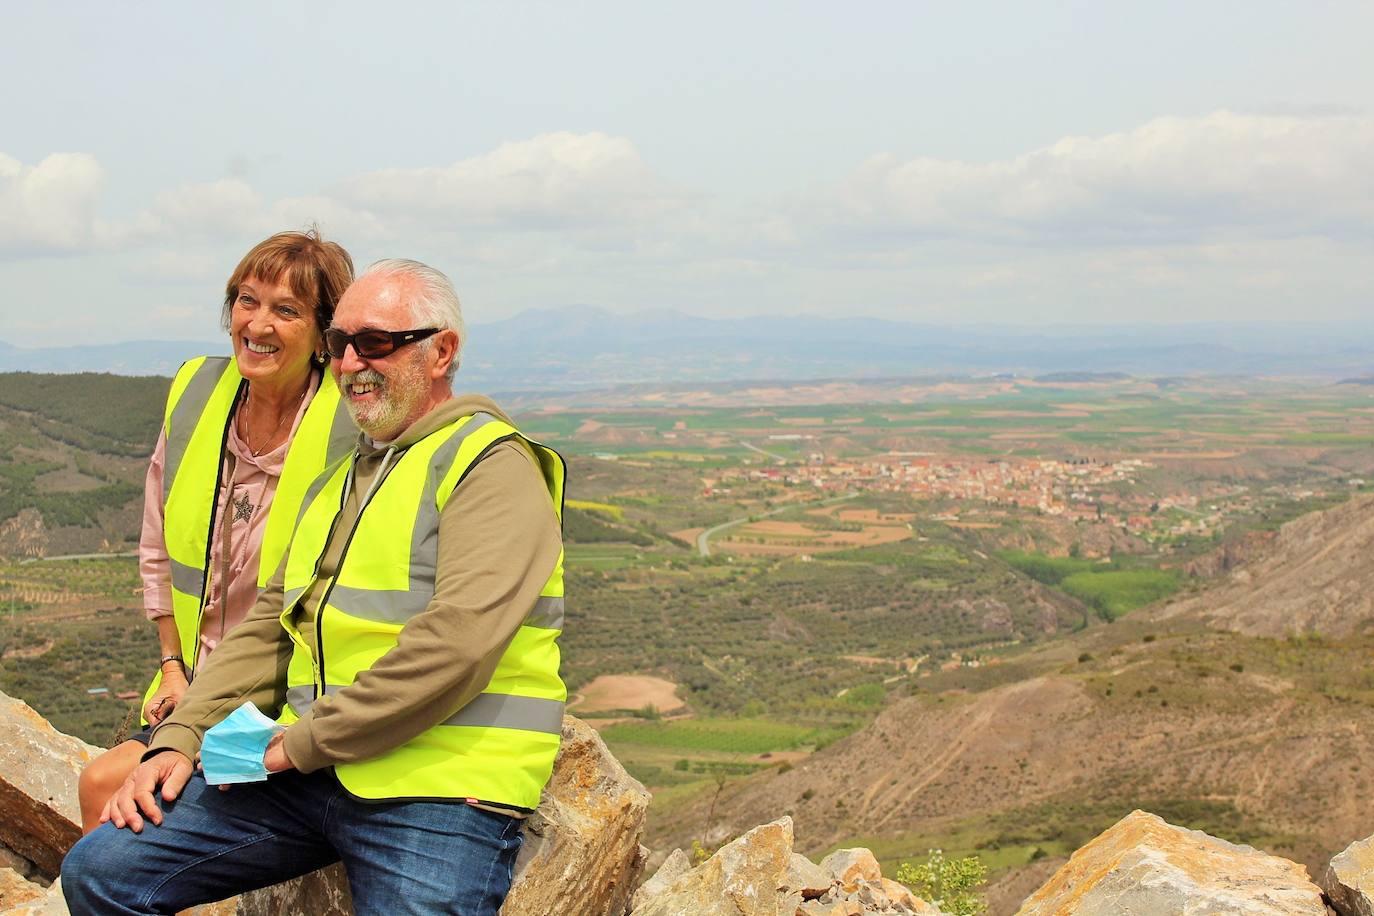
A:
x,y
372,344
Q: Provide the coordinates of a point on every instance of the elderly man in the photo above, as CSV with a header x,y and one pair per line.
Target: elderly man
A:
x,y
408,641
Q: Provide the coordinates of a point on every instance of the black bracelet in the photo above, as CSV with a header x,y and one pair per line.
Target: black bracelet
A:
x,y
172,658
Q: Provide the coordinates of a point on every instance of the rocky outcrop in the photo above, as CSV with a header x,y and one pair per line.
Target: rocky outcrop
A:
x,y
1349,880
582,852
38,770
758,874
1144,866
581,855
49,902
16,889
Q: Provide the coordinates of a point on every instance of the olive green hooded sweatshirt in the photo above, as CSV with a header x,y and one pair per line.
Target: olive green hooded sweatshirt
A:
x,y
499,540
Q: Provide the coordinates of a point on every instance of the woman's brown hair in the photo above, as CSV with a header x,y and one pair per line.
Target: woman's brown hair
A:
x,y
317,272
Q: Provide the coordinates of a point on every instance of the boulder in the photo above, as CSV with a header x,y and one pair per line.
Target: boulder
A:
x,y
38,770
16,889
743,877
48,903
1349,879
675,866
759,875
581,853
808,879
1146,867
852,867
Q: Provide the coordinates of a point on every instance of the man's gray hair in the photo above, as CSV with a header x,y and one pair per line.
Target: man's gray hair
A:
x,y
437,304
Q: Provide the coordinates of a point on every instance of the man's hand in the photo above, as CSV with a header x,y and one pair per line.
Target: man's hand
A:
x,y
169,694
169,769
274,758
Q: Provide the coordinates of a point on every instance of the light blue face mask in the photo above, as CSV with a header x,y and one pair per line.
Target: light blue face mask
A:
x,y
232,751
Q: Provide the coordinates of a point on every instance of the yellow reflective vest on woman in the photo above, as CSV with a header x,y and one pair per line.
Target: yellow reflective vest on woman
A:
x,y
200,408
499,747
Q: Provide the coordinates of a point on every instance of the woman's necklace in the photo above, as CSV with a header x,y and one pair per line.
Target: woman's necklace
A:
x,y
272,436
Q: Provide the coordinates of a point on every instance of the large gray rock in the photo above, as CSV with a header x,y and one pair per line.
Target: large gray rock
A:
x,y
675,866
743,878
39,767
1349,879
49,903
759,875
16,889
581,853
1146,867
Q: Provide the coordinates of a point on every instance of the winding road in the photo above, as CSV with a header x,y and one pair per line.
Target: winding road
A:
x,y
703,539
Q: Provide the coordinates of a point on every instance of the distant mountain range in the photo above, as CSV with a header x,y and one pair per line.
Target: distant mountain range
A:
x,y
580,347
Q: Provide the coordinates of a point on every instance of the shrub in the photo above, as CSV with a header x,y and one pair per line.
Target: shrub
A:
x,y
949,884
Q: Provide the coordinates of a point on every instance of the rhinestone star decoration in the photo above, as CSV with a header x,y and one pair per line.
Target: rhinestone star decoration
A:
x,y
243,509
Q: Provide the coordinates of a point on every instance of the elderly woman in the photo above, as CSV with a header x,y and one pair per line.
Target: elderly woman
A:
x,y
241,440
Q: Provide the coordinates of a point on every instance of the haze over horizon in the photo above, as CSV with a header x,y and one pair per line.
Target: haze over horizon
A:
x,y
987,165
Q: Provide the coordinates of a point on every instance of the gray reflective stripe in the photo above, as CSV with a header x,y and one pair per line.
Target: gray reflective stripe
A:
x,y
398,606
291,595
504,710
186,416
380,604
486,710
189,580
547,614
313,491
343,435
300,698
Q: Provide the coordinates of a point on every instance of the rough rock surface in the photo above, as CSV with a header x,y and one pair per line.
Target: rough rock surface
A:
x,y
582,852
759,875
1349,879
675,866
1146,867
50,903
16,889
38,770
743,877
852,867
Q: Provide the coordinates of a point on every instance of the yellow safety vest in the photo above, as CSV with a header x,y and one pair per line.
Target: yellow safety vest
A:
x,y
499,747
200,408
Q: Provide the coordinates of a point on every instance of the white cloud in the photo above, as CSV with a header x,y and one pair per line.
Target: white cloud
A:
x,y
226,207
49,208
1257,214
1169,179
553,180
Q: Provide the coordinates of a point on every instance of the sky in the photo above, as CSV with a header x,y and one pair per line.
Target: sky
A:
x,y
1004,163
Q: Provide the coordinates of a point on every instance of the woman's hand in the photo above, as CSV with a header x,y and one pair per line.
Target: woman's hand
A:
x,y
169,694
134,801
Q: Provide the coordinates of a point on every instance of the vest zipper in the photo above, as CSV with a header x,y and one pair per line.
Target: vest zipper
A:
x,y
377,480
316,659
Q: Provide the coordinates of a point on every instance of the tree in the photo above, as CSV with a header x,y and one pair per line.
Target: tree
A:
x,y
949,884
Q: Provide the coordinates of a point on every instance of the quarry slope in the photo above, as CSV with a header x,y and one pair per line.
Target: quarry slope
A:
x,y
1315,576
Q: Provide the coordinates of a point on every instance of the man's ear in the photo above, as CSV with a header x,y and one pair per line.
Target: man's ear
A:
x,y
445,350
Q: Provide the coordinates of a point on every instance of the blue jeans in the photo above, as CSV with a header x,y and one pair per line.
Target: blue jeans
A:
x,y
401,857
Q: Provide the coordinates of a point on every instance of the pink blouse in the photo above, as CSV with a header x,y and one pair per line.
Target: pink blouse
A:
x,y
247,484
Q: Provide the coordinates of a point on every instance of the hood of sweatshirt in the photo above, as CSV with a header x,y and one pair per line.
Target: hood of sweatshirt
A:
x,y
460,405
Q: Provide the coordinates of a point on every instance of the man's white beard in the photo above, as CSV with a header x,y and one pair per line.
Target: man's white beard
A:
x,y
394,397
